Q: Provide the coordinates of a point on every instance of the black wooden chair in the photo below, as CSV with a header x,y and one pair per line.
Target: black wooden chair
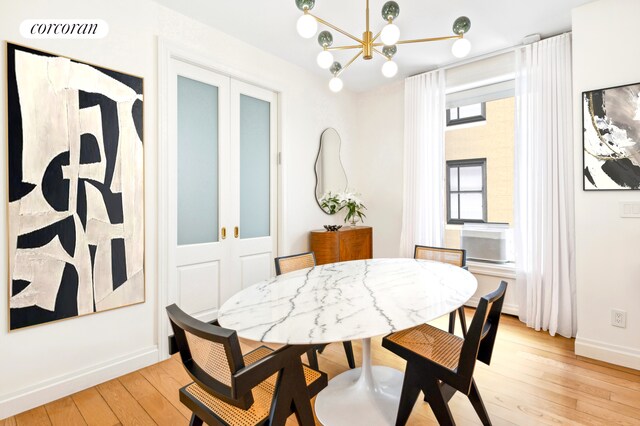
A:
x,y
457,257
259,388
440,363
292,263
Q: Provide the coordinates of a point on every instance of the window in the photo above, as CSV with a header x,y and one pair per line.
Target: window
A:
x,y
467,191
466,114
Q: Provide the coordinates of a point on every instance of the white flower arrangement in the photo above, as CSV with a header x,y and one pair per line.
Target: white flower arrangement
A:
x,y
333,203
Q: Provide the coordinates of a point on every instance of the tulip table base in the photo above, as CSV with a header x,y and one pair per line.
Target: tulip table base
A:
x,y
361,396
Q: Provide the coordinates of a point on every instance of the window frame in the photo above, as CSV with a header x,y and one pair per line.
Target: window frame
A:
x,y
473,162
467,120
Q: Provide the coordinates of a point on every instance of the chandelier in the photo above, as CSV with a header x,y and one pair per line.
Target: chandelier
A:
x,y
389,38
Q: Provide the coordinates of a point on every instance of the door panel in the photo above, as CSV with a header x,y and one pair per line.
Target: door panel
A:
x,y
199,127
255,267
254,153
202,280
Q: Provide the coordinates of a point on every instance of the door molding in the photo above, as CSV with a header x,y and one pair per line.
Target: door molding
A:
x,y
169,50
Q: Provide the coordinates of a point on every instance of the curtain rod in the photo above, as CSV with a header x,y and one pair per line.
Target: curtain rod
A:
x,y
484,56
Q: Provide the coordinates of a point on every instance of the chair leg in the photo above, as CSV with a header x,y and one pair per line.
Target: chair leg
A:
x,y
440,408
478,405
463,321
195,421
452,322
409,394
291,394
312,356
348,350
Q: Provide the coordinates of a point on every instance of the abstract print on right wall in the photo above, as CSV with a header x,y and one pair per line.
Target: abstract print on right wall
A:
x,y
611,138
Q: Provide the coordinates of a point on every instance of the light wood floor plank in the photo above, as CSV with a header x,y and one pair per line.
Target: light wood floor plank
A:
x,y
94,409
158,407
9,421
36,417
64,412
166,385
124,406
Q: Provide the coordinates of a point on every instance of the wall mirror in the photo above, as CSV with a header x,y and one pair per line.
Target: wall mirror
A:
x,y
330,174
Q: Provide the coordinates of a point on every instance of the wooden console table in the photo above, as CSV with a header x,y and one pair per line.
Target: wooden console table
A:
x,y
348,243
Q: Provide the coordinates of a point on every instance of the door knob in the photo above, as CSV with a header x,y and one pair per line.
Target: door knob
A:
x,y
236,232
223,232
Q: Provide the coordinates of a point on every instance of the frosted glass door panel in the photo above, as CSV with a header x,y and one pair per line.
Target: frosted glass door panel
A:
x,y
255,144
197,162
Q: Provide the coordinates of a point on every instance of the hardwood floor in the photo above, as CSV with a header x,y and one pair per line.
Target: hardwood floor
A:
x,y
533,379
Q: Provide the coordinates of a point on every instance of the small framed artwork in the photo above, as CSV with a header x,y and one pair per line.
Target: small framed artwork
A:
x,y
75,188
611,138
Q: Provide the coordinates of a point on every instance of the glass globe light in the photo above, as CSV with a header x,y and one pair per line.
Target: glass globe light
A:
x,y
462,25
335,84
325,39
389,51
307,26
461,48
390,10
335,68
305,4
389,69
325,59
390,34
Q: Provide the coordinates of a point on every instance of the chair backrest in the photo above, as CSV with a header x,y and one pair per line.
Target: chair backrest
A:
x,y
456,257
478,344
210,354
294,262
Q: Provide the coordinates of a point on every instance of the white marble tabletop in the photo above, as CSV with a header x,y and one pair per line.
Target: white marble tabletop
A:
x,y
346,301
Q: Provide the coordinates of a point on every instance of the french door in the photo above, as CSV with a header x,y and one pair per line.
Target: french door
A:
x,y
223,171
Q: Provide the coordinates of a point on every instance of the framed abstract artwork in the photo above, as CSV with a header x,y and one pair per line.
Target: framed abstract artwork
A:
x,y
611,138
75,188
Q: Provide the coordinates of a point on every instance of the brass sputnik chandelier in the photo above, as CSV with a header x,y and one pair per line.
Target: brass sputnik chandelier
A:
x,y
389,39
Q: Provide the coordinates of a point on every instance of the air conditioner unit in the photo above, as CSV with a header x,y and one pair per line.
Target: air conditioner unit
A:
x,y
487,242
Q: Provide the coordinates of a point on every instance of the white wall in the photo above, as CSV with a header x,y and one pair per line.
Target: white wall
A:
x,y
43,363
605,54
377,164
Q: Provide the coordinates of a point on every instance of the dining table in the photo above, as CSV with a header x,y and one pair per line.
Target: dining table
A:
x,y
355,300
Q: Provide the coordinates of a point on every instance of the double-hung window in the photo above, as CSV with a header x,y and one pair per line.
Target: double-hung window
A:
x,y
467,191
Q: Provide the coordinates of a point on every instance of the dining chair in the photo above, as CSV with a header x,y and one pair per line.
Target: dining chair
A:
x,y
292,263
441,364
262,387
457,257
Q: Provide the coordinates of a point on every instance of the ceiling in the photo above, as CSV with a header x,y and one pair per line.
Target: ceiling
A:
x,y
271,26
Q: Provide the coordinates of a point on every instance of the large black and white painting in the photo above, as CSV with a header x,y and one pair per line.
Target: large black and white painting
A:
x,y
75,159
611,123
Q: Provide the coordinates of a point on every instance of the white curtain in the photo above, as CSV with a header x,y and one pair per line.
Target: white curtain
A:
x,y
423,208
544,207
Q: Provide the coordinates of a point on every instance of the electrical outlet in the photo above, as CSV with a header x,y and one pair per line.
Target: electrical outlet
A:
x,y
618,318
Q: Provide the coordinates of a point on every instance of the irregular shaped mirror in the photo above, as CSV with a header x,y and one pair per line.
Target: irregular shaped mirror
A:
x,y
331,178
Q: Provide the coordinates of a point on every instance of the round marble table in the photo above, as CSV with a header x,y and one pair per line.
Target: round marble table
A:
x,y
347,301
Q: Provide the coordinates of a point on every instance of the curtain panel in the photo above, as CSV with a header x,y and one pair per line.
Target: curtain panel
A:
x,y
424,163
544,187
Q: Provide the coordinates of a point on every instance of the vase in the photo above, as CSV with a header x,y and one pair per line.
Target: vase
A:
x,y
353,220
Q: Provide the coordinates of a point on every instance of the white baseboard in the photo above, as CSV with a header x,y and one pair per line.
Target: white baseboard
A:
x,y
613,354
507,308
49,390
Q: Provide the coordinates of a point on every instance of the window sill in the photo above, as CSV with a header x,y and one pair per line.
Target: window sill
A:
x,y
499,270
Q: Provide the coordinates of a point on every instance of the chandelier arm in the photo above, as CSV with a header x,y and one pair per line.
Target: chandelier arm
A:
x,y
379,52
349,63
323,22
424,40
373,40
358,46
